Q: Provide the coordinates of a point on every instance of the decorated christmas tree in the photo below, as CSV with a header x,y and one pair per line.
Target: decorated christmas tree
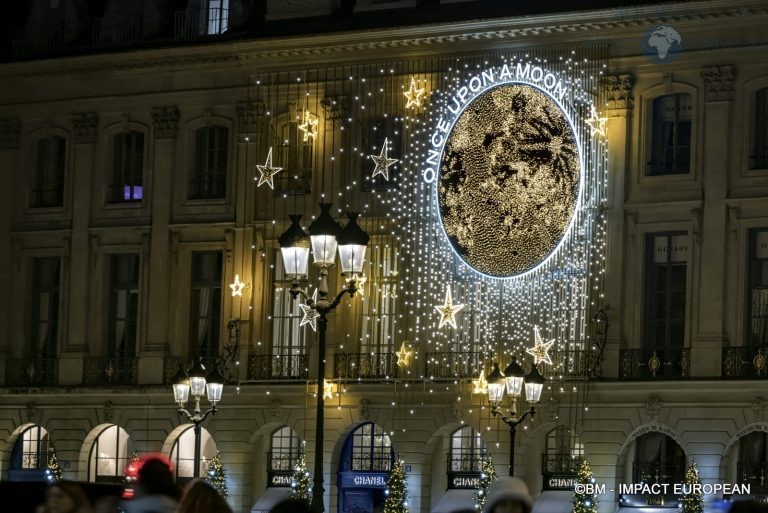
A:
x,y
217,476
487,476
692,501
300,487
397,495
53,470
584,502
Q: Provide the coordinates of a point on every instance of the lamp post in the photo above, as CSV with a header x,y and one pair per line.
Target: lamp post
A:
x,y
325,236
198,384
513,379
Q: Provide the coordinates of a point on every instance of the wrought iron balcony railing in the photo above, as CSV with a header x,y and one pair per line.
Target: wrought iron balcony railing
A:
x,y
753,474
269,367
560,463
171,366
32,41
32,372
642,364
110,371
658,472
117,31
464,463
750,362
203,23
453,365
365,366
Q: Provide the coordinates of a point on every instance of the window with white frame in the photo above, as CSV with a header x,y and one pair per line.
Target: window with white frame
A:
x,y
31,450
123,304
183,453
109,455
48,190
379,298
665,291
371,449
205,303
216,16
671,135
288,338
467,450
128,167
758,141
563,452
757,293
44,304
284,449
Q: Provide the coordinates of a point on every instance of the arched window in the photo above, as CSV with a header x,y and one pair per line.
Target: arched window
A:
x,y
758,147
371,449
30,454
564,452
467,451
285,449
183,453
48,190
671,135
752,467
109,455
658,459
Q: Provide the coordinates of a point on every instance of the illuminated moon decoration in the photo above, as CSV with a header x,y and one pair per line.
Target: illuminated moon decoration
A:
x,y
509,180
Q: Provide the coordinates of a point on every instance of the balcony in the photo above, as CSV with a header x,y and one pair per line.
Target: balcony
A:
x,y
27,372
658,472
365,366
749,362
265,367
201,24
115,32
280,467
35,41
110,371
448,365
754,474
642,364
171,367
560,464
464,470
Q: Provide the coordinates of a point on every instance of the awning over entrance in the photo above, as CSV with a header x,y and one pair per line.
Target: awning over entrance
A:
x,y
554,501
270,498
455,500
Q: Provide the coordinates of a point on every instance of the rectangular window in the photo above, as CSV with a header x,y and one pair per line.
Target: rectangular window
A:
x,y
211,155
665,289
758,148
44,315
205,303
294,155
379,296
128,167
671,135
217,17
757,292
373,139
288,338
49,172
123,305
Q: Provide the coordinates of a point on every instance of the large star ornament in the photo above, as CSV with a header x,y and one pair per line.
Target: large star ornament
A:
x,y
237,286
267,172
404,355
413,95
308,126
540,350
308,314
596,123
448,310
383,161
480,385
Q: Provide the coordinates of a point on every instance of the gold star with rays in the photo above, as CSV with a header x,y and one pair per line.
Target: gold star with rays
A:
x,y
540,350
448,310
596,123
309,126
480,385
237,286
267,172
383,161
404,355
414,95
327,390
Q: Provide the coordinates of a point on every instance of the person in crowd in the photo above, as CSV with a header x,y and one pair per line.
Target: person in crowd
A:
x,y
508,495
201,497
155,489
65,497
291,505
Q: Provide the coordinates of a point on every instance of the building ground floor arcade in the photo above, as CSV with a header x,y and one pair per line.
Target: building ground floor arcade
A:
x,y
629,432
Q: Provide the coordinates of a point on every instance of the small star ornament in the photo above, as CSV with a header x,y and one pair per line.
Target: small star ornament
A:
x,y
414,95
237,286
267,172
596,123
383,162
540,350
480,385
308,126
308,314
404,355
448,310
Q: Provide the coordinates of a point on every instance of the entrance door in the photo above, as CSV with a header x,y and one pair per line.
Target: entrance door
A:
x,y
364,466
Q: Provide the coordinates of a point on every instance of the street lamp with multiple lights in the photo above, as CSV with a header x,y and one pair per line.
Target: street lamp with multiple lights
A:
x,y
198,382
513,380
325,236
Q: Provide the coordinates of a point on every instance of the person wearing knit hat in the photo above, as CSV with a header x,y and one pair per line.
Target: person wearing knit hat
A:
x,y
508,495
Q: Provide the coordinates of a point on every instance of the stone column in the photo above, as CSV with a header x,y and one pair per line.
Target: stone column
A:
x,y
75,344
165,121
619,105
710,224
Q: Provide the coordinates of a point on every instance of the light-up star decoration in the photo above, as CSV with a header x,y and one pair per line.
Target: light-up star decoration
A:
x,y
448,310
237,286
540,350
480,385
382,162
267,172
308,314
327,390
308,126
404,355
413,95
596,123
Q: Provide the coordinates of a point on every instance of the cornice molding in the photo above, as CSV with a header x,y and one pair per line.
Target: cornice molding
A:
x,y
262,53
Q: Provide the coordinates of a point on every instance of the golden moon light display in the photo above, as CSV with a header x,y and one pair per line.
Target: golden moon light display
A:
x,y
509,180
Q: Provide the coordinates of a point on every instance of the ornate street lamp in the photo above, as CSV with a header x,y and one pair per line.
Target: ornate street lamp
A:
x,y
197,382
513,380
325,237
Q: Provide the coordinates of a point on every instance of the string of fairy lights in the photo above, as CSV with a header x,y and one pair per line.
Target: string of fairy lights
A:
x,y
361,134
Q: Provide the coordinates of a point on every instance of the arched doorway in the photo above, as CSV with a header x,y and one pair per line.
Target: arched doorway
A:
x,y
109,454
652,458
182,452
30,454
285,450
366,459
747,463
463,466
